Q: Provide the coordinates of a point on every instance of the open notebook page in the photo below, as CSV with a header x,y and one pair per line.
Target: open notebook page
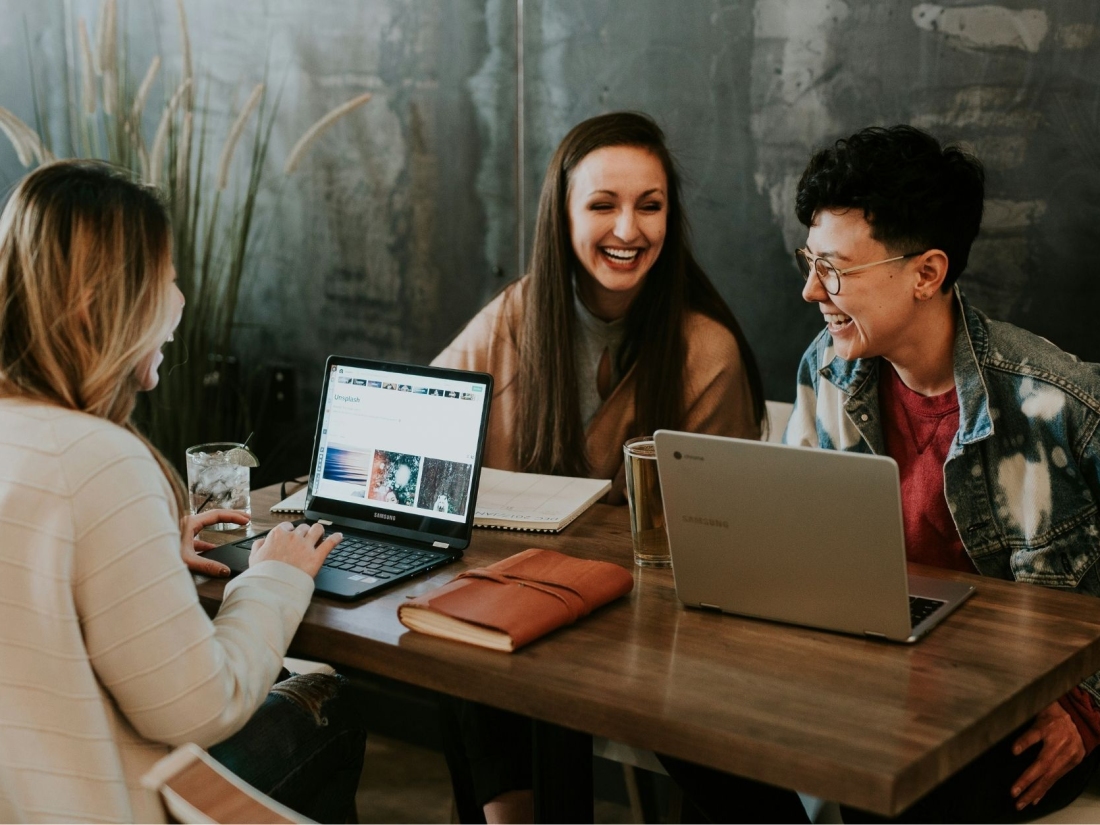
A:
x,y
529,501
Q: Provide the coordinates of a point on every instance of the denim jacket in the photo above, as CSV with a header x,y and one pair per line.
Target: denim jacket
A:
x,y
1022,477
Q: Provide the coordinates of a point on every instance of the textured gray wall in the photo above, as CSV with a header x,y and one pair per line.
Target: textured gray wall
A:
x,y
404,219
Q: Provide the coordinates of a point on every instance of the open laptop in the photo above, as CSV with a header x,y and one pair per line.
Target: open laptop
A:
x,y
810,537
395,468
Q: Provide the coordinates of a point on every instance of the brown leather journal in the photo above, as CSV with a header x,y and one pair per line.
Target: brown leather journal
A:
x,y
515,601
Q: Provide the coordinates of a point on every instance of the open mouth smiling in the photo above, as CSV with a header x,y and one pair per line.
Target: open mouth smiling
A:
x,y
620,256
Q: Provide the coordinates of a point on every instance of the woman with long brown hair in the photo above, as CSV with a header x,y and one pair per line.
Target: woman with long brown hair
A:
x,y
108,657
615,332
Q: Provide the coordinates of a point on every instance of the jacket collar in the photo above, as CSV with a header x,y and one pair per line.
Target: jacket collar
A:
x,y
971,349
860,377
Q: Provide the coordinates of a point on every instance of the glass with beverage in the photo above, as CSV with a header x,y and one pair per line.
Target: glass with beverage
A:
x,y
647,513
217,477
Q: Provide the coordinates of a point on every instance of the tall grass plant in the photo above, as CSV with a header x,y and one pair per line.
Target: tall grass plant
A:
x,y
201,396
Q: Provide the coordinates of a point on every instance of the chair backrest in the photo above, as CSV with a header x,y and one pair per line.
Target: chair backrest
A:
x,y
779,413
194,787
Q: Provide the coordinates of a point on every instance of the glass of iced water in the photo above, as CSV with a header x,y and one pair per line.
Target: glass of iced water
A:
x,y
217,477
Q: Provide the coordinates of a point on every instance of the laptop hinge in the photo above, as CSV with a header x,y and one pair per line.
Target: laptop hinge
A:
x,y
874,635
442,545
706,606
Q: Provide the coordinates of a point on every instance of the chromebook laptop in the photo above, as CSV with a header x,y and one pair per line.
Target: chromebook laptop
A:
x,y
805,536
395,468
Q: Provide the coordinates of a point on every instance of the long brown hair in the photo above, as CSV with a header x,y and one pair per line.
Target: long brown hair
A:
x,y
551,433
85,262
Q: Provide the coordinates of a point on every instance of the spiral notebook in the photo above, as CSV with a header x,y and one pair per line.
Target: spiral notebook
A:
x,y
515,501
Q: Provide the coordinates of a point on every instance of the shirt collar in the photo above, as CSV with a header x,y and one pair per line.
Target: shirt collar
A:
x,y
596,326
859,377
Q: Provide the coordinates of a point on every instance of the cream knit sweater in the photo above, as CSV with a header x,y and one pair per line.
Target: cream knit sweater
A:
x,y
106,656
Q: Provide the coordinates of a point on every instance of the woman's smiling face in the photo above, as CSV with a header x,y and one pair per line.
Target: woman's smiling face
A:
x,y
618,216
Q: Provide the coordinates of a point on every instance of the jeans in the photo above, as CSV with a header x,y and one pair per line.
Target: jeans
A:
x,y
303,747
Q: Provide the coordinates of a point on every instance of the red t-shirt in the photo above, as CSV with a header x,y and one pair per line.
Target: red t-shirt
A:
x,y
918,431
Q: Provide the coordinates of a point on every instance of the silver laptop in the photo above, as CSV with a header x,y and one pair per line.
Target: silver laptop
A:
x,y
810,537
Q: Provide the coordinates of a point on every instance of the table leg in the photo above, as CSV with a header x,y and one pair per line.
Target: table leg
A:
x,y
562,773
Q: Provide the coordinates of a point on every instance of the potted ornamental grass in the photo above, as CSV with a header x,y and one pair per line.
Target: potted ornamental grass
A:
x,y
213,203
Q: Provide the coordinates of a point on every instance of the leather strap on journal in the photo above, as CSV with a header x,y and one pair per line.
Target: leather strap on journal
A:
x,y
523,596
576,606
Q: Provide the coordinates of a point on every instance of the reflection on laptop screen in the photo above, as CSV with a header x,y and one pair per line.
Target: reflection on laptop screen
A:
x,y
406,443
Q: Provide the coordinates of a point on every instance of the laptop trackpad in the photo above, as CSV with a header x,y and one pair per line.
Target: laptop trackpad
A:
x,y
234,556
943,590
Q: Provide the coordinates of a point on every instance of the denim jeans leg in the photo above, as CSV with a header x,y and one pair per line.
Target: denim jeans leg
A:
x,y
303,747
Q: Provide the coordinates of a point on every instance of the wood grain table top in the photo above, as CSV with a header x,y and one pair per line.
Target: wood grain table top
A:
x,y
868,723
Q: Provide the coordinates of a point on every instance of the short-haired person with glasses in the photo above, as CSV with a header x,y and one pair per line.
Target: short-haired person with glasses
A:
x,y
996,431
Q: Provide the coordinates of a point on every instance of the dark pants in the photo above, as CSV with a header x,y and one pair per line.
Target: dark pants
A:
x,y
980,792
489,753
714,796
303,747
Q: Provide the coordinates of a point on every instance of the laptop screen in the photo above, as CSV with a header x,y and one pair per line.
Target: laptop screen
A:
x,y
400,446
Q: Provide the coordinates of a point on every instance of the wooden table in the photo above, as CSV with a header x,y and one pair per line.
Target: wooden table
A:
x,y
870,724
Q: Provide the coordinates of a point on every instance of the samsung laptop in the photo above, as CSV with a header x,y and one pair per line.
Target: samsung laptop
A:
x,y
395,468
805,536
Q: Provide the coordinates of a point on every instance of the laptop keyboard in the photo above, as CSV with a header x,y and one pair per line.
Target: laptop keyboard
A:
x,y
920,609
373,558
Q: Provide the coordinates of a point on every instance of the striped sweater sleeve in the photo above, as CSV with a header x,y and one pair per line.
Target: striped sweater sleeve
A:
x,y
174,674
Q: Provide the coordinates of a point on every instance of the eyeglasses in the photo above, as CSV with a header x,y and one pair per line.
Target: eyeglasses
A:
x,y
828,274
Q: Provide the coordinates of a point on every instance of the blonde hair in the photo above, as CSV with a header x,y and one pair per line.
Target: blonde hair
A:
x,y
85,257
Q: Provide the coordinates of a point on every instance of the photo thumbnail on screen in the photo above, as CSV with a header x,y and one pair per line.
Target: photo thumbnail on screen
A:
x,y
445,486
346,465
394,478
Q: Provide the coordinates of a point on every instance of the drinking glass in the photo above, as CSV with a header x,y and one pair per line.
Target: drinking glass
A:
x,y
217,478
647,513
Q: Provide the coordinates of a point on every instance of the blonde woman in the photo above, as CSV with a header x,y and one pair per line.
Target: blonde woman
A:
x,y
107,657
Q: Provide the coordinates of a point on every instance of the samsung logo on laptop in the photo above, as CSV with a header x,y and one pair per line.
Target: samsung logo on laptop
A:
x,y
706,522
678,455
385,516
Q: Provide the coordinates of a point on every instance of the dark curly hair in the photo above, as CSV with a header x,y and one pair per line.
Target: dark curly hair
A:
x,y
915,194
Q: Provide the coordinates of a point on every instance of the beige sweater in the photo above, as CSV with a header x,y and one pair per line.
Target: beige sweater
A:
x,y
106,656
718,400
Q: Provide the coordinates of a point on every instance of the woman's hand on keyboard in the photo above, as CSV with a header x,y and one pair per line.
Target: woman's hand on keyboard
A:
x,y
297,546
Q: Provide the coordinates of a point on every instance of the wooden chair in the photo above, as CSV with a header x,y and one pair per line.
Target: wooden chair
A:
x,y
194,787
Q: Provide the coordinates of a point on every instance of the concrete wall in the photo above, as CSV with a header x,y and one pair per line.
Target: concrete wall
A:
x,y
404,219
